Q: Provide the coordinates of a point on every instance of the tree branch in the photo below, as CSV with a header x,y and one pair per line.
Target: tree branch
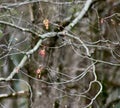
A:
x,y
80,15
19,93
46,35
18,4
27,55
18,27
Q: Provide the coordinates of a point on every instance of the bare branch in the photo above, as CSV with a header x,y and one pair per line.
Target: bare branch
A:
x,y
18,4
19,93
80,15
27,55
18,27
74,37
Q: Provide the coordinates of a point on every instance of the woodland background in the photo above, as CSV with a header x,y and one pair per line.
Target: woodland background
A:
x,y
59,54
